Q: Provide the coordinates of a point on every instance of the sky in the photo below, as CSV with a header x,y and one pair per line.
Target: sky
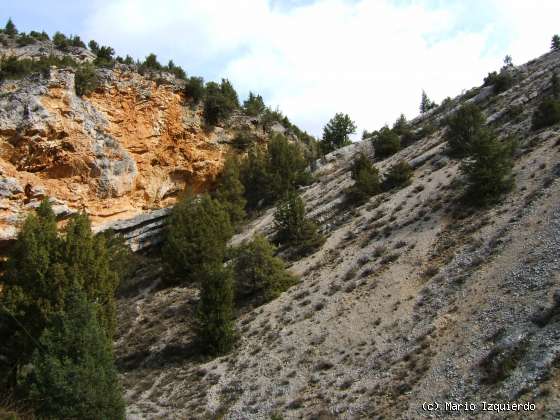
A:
x,y
370,59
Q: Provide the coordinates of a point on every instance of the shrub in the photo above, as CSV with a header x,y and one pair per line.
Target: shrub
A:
x,y
462,128
215,328
254,105
399,176
258,273
547,113
73,373
243,140
501,81
86,80
39,36
151,62
294,229
191,245
386,143
336,133
24,39
177,71
555,43
194,88
104,56
488,168
221,101
229,191
12,68
60,41
366,178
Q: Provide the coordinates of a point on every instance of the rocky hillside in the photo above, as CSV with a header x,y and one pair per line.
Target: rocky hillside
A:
x,y
411,300
125,149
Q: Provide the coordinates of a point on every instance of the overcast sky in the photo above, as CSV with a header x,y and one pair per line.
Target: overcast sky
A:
x,y
368,58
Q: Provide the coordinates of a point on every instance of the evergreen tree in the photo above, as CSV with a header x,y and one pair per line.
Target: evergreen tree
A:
x,y
93,46
221,101
555,85
194,88
336,133
254,105
386,142
555,44
151,62
547,113
215,327
294,229
399,176
10,29
73,373
230,191
401,126
488,168
426,104
86,80
88,264
366,178
258,273
60,41
256,179
462,128
197,233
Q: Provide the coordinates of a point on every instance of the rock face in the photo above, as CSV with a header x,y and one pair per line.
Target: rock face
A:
x,y
129,147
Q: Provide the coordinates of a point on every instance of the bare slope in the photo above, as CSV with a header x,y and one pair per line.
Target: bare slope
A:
x,y
409,300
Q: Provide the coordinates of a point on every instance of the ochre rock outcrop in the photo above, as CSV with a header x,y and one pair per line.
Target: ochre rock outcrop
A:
x,y
129,147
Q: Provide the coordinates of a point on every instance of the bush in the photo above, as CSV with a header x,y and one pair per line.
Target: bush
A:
x,y
73,373
215,328
196,235
104,56
547,113
336,133
366,178
399,176
501,81
221,101
386,143
12,68
86,80
294,229
258,273
194,88
24,39
177,71
39,36
229,191
488,168
151,62
462,128
60,41
254,105
243,140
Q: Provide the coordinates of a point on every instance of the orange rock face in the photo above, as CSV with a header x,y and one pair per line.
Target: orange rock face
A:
x,y
130,146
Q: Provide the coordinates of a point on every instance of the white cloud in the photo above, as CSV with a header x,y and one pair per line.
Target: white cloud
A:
x,y
368,58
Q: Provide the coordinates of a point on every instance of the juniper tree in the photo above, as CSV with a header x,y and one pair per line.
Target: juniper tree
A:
x,y
194,88
398,176
462,128
197,233
254,105
230,191
386,142
336,133
86,80
73,374
366,178
214,316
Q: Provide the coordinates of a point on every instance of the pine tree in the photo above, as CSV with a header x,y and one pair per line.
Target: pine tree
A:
x,y
462,128
221,100
294,229
230,191
258,273
555,44
366,178
194,88
254,105
73,373
336,133
386,142
197,233
488,168
425,103
151,62
10,29
215,327
86,80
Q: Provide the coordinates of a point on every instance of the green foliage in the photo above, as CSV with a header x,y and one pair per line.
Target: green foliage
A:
x,y
230,191
215,327
10,28
426,103
386,142
23,39
12,68
295,230
501,81
555,85
254,105
93,46
60,41
547,113
488,168
86,80
268,176
401,126
123,261
104,56
197,232
462,128
366,178
73,374
151,62
39,36
336,133
555,43
399,176
194,88
221,101
243,140
259,275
